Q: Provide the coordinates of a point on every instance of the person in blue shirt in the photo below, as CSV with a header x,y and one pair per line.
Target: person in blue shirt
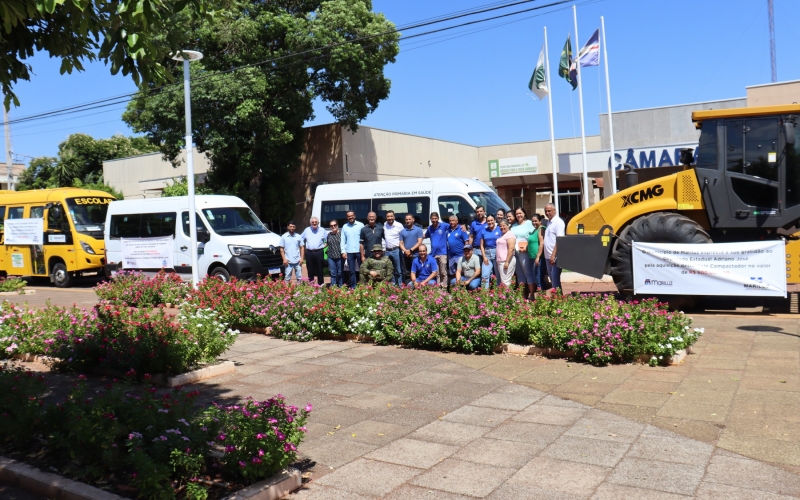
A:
x,y
410,241
437,234
292,249
476,228
489,247
456,239
424,269
351,246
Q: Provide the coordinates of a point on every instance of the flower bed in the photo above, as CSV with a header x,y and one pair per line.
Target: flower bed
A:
x,y
114,337
139,290
145,443
11,284
598,328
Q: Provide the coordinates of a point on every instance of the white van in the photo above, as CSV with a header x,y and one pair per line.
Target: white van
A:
x,y
233,242
418,197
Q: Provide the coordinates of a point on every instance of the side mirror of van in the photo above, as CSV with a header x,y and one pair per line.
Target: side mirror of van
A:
x,y
203,235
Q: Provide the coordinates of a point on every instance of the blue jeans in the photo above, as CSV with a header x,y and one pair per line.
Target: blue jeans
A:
x,y
543,274
473,284
394,256
298,271
353,265
488,269
555,274
336,266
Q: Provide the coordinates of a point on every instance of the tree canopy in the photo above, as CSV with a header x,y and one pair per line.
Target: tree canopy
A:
x,y
133,36
180,187
80,162
251,120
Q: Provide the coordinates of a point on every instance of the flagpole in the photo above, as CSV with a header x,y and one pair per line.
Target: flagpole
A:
x,y
550,114
580,100
613,164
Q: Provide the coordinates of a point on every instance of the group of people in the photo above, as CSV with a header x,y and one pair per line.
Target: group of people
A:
x,y
503,245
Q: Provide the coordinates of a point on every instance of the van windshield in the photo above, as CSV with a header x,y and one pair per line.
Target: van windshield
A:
x,y
233,220
490,201
88,213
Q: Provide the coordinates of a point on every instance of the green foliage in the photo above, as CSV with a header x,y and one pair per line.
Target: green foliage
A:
x,y
180,187
251,120
80,162
12,284
98,186
139,290
132,36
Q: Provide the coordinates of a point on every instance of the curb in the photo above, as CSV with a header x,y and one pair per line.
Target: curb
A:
x,y
19,292
272,488
48,484
529,350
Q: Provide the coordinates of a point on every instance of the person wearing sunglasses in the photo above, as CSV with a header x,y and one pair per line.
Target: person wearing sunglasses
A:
x,y
335,262
314,241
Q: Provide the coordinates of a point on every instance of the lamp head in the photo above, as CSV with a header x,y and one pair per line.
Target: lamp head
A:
x,y
187,55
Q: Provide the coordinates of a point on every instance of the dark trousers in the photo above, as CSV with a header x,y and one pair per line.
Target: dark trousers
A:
x,y
353,265
407,261
314,266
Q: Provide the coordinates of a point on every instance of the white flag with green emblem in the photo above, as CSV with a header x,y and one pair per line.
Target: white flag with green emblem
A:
x,y
538,83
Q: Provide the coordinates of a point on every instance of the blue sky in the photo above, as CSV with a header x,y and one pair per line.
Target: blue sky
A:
x,y
472,89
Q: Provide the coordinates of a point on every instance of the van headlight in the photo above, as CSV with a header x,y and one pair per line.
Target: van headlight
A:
x,y
87,248
240,249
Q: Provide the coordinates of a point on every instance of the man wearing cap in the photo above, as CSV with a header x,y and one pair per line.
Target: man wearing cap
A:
x,y
468,271
378,268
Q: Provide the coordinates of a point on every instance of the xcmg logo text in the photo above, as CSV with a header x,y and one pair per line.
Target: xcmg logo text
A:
x,y
642,195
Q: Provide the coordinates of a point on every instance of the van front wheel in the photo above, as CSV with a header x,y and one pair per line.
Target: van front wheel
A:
x,y
61,277
221,273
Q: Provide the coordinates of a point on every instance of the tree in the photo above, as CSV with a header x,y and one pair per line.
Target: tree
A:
x,y
180,187
251,120
134,36
80,157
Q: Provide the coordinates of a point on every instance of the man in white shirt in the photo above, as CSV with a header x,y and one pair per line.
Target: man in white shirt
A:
x,y
555,228
391,235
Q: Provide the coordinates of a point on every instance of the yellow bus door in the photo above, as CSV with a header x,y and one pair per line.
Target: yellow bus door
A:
x,y
17,257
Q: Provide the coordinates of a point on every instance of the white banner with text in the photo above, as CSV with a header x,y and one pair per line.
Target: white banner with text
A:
x,y
146,253
754,268
24,231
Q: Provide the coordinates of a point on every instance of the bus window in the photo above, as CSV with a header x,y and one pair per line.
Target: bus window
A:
x,y
161,224
37,212
338,210
89,214
57,218
2,217
15,212
418,206
455,205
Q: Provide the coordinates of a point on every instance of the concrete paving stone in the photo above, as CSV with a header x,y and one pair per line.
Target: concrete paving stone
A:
x,y
316,430
373,401
515,491
636,398
295,369
317,379
584,387
369,477
346,388
547,375
747,426
451,367
413,453
474,361
405,389
438,402
265,378
613,374
552,415
753,475
341,415
656,374
374,432
618,431
335,451
251,346
482,378
714,491
307,354
587,451
757,353
551,400
314,491
357,352
375,376
642,414
540,435
464,478
652,386
563,476
409,492
244,369
778,383
328,360
507,371
584,399
726,363
706,432
769,397
672,477
498,452
346,370
769,450
476,415
333,345
317,399
711,397
466,389
451,433
677,408
273,361
608,491
515,401
676,449
287,389
431,378
403,415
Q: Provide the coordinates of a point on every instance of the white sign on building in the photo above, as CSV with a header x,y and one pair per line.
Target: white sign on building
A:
x,y
753,268
599,161
524,165
24,231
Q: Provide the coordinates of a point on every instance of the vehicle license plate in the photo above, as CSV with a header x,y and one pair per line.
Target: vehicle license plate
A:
x,y
275,271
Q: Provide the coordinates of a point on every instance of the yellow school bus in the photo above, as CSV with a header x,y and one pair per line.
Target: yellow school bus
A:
x,y
72,243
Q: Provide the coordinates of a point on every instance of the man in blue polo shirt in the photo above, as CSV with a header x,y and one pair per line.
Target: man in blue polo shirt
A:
x,y
456,239
410,240
292,249
476,228
437,234
424,269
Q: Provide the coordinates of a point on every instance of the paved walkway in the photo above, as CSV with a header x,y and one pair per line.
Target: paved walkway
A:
x,y
397,423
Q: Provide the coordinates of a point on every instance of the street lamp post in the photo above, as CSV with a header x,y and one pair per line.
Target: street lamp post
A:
x,y
188,56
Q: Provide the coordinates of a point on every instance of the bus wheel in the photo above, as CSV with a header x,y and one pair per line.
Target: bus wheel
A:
x,y
221,273
61,277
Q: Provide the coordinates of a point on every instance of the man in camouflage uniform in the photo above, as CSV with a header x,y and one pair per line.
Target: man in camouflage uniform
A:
x,y
378,268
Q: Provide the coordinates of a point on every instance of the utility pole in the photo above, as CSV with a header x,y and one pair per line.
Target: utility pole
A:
x,y
9,161
772,57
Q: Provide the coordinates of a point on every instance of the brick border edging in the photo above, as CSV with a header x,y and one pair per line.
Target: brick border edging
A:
x,y
51,485
529,350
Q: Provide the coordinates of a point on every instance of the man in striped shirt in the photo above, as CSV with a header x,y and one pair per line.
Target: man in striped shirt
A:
x,y
335,262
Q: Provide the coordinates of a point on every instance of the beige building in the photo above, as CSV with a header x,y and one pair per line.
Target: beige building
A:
x,y
16,171
146,176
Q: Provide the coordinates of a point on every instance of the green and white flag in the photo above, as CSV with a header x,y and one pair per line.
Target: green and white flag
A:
x,y
565,63
538,83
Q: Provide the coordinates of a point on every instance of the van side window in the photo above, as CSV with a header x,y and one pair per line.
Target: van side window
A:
x,y
455,205
15,212
155,225
338,210
37,212
418,206
125,225
185,222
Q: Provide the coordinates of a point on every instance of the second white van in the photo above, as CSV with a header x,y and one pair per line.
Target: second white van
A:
x,y
232,240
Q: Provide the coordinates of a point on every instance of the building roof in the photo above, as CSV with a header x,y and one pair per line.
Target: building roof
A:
x,y
699,116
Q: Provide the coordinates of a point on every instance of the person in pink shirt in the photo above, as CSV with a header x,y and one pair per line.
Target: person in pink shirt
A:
x,y
505,261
